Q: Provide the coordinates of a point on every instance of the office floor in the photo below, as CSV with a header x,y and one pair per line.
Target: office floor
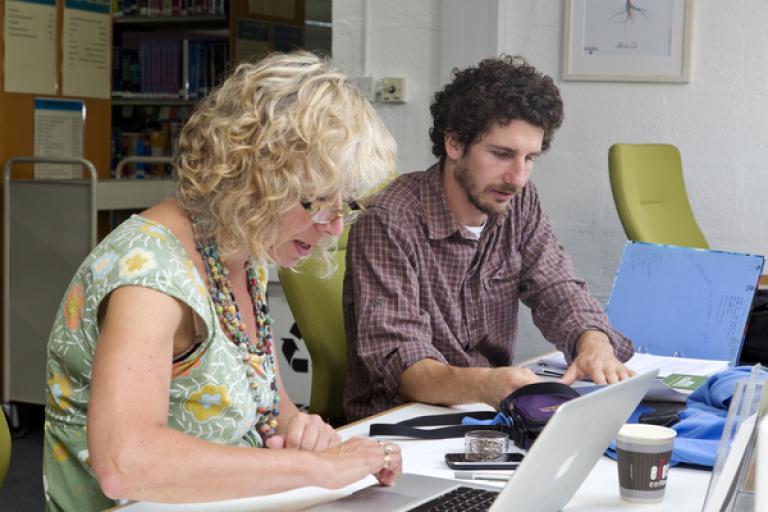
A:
x,y
23,487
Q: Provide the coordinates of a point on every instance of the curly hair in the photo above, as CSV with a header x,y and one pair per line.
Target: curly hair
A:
x,y
499,90
288,128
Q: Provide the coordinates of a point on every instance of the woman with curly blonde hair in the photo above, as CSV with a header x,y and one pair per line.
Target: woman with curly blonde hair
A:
x,y
161,363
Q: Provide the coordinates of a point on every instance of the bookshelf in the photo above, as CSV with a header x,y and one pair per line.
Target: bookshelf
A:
x,y
166,55
188,20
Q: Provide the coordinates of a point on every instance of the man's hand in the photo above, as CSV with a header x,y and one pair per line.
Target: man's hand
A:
x,y
506,379
305,432
595,359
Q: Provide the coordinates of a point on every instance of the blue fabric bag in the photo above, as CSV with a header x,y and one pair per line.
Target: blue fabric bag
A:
x,y
701,422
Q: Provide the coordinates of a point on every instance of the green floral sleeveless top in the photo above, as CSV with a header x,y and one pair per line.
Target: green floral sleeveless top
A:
x,y
210,396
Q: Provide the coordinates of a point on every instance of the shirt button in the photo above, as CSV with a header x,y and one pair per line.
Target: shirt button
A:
x,y
378,301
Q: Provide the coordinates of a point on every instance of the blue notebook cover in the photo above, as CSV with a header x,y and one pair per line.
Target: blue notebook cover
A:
x,y
680,301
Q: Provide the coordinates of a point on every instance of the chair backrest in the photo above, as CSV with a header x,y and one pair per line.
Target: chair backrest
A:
x,y
5,448
315,303
650,196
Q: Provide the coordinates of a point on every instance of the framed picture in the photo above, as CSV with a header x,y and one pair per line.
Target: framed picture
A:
x,y
627,40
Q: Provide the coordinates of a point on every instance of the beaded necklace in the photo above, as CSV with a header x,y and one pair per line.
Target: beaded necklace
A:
x,y
252,354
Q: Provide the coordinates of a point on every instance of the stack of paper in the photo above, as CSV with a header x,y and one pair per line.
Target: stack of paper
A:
x,y
667,366
689,373
554,365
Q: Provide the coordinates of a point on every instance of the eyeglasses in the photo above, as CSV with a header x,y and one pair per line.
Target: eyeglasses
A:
x,y
325,213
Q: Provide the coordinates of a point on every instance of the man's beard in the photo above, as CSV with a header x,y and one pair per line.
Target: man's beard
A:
x,y
466,181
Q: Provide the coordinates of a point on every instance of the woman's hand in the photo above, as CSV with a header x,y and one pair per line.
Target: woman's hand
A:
x,y
356,458
304,432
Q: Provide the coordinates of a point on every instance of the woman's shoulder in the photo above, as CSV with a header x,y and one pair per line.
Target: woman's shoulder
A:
x,y
139,233
144,252
160,228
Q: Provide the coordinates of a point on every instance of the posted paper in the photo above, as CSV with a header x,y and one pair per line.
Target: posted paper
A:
x,y
86,48
58,134
30,46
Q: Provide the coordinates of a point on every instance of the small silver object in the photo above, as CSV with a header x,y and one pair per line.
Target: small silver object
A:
x,y
485,445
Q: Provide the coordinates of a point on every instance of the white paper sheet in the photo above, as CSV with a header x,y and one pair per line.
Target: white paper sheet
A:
x,y
30,46
86,49
642,363
58,134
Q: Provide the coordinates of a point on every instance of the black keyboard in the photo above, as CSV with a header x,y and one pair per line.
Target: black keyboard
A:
x,y
461,499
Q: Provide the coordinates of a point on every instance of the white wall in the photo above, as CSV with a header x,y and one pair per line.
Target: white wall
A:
x,y
400,39
719,120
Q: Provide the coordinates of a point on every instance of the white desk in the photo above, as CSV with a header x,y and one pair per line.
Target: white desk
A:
x,y
600,492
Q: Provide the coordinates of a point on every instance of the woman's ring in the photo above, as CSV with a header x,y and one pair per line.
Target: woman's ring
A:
x,y
387,461
387,449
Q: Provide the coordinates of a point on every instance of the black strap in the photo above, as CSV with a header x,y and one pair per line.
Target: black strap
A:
x,y
410,427
395,429
447,419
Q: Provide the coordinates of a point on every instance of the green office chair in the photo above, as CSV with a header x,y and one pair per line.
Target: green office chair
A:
x,y
5,448
316,306
650,196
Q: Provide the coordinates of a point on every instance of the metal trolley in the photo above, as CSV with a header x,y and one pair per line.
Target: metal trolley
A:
x,y
49,227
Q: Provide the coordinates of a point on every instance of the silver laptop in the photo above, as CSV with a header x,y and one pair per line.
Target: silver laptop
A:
x,y
551,472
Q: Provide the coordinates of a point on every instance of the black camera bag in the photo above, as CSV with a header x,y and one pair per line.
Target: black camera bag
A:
x,y
755,349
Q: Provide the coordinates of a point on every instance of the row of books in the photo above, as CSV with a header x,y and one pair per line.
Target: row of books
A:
x,y
145,143
168,7
149,131
169,68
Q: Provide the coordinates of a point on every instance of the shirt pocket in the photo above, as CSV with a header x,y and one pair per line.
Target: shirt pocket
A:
x,y
502,280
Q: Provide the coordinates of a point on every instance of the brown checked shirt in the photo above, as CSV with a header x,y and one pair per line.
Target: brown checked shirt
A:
x,y
418,285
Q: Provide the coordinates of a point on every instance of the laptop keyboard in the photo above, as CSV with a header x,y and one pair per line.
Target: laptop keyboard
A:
x,y
461,499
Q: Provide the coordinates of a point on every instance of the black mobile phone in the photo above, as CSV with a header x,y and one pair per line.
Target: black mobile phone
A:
x,y
663,418
459,461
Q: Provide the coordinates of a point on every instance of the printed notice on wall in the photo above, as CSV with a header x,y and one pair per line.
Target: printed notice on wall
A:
x,y
86,43
59,134
30,46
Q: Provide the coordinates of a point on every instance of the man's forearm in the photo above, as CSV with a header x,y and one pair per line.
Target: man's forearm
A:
x,y
432,382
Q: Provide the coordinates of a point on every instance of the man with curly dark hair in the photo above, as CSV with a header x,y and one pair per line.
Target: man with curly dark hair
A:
x,y
436,268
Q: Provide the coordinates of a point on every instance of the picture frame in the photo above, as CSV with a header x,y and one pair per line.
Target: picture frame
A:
x,y
627,40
